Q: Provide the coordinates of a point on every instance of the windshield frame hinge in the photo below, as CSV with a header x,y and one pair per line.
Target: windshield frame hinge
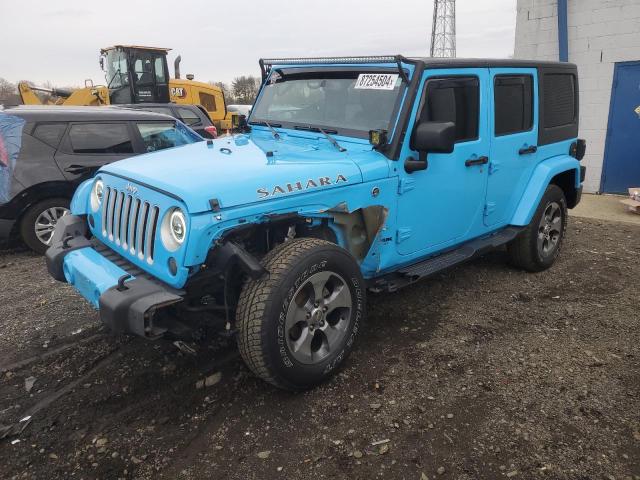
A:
x,y
401,71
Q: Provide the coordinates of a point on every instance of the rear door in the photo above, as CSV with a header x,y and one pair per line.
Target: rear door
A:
x,y
514,133
89,145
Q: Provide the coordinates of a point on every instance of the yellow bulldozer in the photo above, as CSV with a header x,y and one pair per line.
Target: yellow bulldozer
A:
x,y
137,74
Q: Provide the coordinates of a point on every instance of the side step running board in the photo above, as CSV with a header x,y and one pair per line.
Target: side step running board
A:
x,y
430,266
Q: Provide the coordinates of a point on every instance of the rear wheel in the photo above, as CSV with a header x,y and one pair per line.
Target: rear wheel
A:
x,y
39,221
538,246
299,322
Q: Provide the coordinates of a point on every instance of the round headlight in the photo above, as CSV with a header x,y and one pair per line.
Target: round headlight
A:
x,y
97,193
173,230
178,226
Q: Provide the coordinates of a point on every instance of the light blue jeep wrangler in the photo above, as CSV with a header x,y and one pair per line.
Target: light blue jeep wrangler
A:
x,y
351,174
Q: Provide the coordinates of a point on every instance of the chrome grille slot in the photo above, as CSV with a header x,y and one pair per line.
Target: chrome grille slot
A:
x,y
117,217
135,211
124,223
105,203
130,223
110,208
140,230
151,233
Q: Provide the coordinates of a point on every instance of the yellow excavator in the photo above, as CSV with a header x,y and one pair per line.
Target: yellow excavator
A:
x,y
137,74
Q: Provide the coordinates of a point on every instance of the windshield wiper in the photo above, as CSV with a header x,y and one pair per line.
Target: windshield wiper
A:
x,y
274,132
325,133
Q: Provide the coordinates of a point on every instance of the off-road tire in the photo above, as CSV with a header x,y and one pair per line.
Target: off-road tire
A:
x,y
28,221
524,250
263,306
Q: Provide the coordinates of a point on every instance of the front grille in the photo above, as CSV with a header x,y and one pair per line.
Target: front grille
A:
x,y
130,223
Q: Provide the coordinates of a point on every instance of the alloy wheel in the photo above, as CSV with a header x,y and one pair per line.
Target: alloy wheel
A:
x,y
46,223
318,317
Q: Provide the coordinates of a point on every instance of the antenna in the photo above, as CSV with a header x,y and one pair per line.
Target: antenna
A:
x,y
443,31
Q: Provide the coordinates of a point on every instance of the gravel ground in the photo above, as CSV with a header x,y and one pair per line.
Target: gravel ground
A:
x,y
483,372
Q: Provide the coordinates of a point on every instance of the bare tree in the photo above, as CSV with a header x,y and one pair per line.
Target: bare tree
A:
x,y
8,93
226,90
245,88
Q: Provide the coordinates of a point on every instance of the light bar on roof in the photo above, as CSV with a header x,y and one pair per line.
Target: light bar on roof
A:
x,y
311,60
267,63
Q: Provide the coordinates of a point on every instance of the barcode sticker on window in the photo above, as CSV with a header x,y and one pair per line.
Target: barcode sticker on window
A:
x,y
377,81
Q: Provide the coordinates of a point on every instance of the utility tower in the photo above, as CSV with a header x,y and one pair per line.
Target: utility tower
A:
x,y
443,32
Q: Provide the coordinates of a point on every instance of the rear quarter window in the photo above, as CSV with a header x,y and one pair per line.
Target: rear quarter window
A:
x,y
188,116
50,133
559,103
559,99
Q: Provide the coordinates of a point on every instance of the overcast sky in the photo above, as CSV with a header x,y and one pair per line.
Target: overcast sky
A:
x,y
59,41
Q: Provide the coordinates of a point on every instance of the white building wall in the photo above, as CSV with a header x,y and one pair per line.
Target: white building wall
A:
x,y
600,32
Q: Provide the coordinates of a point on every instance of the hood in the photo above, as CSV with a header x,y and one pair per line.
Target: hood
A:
x,y
244,169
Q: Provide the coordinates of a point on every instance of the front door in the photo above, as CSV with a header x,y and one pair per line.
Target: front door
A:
x,y
442,205
621,168
514,135
88,146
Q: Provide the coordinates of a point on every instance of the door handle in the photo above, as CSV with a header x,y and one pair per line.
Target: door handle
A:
x,y
476,161
528,150
77,169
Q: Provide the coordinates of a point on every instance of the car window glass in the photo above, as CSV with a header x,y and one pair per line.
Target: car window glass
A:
x,y
50,133
159,67
100,138
559,100
188,116
208,101
165,110
454,100
513,99
160,135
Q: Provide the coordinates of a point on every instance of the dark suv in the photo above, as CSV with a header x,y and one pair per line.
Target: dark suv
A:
x,y
45,152
194,116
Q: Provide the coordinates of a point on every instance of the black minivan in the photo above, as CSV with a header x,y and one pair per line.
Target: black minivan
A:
x,y
46,151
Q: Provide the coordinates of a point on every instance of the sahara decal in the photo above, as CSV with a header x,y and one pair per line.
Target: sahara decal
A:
x,y
299,186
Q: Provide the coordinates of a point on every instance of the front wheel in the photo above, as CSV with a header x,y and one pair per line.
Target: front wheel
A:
x,y
39,221
538,246
298,323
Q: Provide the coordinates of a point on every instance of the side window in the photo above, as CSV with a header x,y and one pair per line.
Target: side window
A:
x,y
100,138
513,100
159,68
160,135
559,99
456,100
50,133
208,101
189,117
165,110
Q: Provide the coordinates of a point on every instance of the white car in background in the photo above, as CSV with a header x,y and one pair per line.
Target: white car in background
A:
x,y
240,109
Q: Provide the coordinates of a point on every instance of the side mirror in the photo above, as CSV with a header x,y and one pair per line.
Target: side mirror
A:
x,y
430,137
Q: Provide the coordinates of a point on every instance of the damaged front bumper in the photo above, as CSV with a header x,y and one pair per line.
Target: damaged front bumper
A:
x,y
127,298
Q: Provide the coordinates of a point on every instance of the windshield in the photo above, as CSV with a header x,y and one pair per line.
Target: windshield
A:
x,y
346,102
161,135
116,68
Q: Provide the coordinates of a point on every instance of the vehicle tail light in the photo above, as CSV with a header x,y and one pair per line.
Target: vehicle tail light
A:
x,y
212,130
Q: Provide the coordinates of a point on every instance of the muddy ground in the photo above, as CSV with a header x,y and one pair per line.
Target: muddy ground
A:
x,y
483,372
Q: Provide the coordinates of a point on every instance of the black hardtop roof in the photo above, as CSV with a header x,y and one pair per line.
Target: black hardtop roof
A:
x,y
431,62
61,113
428,62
